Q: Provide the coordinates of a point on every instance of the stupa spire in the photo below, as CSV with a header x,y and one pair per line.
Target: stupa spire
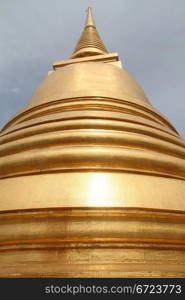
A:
x,y
90,42
89,18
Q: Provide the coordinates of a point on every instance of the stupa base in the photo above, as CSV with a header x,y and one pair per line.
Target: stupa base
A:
x,y
92,242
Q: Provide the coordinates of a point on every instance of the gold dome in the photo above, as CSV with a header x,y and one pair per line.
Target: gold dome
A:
x,y
92,172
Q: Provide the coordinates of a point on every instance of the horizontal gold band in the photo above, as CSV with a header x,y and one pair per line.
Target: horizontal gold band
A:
x,y
91,158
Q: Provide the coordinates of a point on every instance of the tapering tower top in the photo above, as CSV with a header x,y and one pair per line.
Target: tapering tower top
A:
x,y
89,18
90,42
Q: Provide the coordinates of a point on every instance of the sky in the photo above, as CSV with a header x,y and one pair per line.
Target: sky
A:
x,y
149,36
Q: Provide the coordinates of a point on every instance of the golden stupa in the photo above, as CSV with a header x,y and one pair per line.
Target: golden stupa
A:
x,y
92,176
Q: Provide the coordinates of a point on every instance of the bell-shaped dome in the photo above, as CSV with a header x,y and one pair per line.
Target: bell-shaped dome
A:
x,y
89,79
92,176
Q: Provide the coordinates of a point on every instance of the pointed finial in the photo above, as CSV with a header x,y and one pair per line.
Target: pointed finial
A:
x,y
89,18
90,42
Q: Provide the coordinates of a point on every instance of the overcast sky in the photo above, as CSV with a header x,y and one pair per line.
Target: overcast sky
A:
x,y
149,36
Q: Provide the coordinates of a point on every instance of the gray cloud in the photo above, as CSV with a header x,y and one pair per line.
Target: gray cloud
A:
x,y
148,35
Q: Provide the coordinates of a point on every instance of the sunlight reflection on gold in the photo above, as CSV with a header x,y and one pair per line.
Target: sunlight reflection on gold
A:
x,y
99,190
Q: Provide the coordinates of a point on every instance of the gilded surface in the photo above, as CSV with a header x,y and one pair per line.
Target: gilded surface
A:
x,y
91,176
